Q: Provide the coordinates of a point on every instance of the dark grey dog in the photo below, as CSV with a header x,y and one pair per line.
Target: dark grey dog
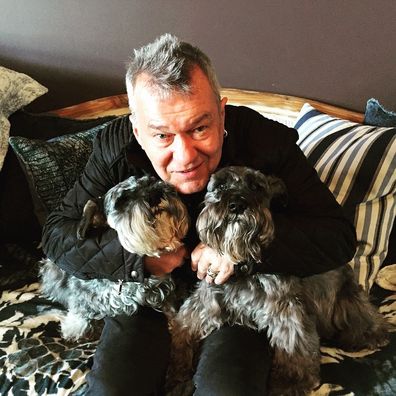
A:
x,y
150,219
295,313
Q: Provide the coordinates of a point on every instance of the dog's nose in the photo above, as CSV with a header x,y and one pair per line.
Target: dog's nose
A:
x,y
237,207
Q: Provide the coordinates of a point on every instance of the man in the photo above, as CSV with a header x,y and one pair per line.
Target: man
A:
x,y
177,132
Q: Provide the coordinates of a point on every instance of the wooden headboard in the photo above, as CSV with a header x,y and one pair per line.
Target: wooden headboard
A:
x,y
282,108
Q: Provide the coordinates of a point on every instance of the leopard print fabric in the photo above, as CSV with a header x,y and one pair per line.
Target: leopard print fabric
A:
x,y
35,360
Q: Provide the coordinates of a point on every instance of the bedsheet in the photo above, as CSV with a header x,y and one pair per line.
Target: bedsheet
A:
x,y
35,360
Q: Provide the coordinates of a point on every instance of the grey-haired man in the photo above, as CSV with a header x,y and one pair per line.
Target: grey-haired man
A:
x,y
177,132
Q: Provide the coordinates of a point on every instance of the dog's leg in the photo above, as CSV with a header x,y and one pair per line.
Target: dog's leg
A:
x,y
292,334
55,284
199,315
356,323
295,372
184,347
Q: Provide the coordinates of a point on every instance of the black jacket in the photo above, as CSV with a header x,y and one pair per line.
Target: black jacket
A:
x,y
312,234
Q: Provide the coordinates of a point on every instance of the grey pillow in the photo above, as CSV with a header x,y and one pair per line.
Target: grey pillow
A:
x,y
52,166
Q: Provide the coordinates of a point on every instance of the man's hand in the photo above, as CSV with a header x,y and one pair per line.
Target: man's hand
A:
x,y
203,256
166,263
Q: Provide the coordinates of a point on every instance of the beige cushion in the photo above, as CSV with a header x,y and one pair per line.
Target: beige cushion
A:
x,y
16,91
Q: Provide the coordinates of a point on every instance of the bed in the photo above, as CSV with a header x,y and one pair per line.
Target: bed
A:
x,y
46,152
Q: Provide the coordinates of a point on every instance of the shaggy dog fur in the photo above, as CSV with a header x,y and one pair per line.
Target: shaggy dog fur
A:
x,y
295,313
150,219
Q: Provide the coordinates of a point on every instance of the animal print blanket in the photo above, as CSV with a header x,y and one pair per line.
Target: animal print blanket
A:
x,y
35,360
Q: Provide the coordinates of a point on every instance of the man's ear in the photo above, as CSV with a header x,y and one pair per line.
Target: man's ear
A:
x,y
223,103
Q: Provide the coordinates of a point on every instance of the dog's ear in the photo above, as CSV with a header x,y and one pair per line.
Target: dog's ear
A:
x,y
278,190
154,197
122,199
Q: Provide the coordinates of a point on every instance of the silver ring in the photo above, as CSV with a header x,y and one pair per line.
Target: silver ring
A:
x,y
211,274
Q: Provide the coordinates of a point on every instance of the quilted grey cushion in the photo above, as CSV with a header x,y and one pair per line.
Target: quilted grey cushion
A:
x,y
52,166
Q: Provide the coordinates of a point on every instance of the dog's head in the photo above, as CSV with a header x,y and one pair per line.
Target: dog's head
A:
x,y
147,214
236,220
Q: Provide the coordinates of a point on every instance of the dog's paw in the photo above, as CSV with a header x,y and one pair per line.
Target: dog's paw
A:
x,y
378,339
92,217
86,221
371,342
286,388
378,336
298,377
175,379
185,388
74,327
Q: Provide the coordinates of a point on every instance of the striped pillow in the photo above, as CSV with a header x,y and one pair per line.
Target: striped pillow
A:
x,y
357,162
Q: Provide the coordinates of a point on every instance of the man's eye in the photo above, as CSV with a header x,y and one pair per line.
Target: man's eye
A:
x,y
162,136
200,132
201,128
162,139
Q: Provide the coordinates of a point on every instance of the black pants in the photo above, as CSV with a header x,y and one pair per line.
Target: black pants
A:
x,y
133,355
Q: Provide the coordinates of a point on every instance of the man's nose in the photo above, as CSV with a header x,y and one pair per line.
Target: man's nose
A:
x,y
184,149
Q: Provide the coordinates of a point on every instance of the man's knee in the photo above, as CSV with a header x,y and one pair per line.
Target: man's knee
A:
x,y
234,361
132,355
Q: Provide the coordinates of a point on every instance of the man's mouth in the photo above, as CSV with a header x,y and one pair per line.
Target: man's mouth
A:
x,y
189,170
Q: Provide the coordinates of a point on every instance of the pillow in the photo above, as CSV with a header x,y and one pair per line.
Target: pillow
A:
x,y
18,222
357,162
16,91
52,166
377,115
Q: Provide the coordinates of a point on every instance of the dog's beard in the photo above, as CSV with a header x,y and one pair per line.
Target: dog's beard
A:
x,y
150,231
240,237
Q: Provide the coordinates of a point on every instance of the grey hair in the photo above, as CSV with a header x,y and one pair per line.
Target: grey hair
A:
x,y
168,62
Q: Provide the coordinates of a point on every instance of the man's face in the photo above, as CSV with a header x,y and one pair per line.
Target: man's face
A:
x,y
182,135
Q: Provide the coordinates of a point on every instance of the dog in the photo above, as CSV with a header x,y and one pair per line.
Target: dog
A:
x,y
296,313
150,219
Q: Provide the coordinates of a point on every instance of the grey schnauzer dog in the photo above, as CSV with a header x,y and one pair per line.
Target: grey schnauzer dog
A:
x,y
150,219
295,313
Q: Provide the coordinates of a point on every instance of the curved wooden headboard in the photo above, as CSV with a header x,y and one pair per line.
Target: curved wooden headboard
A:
x,y
280,107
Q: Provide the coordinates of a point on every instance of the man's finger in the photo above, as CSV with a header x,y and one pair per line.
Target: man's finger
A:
x,y
212,273
202,271
221,278
196,256
209,279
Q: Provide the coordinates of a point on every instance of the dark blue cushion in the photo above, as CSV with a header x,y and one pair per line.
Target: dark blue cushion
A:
x,y
377,115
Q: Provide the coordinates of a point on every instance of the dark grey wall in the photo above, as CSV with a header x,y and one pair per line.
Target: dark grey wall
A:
x,y
338,51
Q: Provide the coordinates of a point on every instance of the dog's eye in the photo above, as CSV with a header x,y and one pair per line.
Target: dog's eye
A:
x,y
251,182
253,185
